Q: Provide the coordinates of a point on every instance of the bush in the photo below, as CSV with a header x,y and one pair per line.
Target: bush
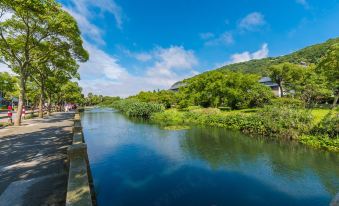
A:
x,y
190,108
169,117
284,101
207,111
134,108
320,141
285,121
328,126
225,108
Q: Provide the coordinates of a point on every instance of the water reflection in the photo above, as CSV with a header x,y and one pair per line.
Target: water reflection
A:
x,y
136,163
231,149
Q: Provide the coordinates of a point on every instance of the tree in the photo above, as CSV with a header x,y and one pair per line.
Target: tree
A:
x,y
7,83
329,67
309,86
283,74
232,89
72,93
32,25
60,63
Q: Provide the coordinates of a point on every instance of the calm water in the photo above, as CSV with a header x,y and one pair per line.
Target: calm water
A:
x,y
135,163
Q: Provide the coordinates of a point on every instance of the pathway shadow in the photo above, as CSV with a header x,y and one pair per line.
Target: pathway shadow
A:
x,y
35,154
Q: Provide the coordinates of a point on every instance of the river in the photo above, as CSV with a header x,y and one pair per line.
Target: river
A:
x,y
137,163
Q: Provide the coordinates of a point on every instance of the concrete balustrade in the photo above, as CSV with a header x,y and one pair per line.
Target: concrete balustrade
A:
x,y
78,189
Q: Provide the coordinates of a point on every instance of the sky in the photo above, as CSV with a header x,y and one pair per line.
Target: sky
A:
x,y
137,45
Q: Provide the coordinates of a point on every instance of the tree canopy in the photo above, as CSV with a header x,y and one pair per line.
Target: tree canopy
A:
x,y
39,36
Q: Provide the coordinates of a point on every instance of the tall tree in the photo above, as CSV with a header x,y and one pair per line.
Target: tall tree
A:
x,y
31,25
283,74
329,67
7,83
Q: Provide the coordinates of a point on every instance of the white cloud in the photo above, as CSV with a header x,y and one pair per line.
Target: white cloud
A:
x,y
304,3
225,38
246,56
206,35
84,8
140,56
82,11
89,30
169,62
4,68
103,74
144,57
101,65
252,21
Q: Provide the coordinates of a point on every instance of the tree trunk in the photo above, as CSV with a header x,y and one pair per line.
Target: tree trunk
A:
x,y
336,97
22,94
49,106
281,90
41,100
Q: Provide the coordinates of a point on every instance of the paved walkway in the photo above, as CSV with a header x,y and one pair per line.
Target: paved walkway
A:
x,y
33,169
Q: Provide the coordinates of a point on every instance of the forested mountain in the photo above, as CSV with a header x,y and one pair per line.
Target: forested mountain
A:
x,y
310,54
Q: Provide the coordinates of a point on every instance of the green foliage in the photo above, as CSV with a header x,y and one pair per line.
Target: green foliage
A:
x,y
169,117
231,89
164,97
107,100
284,73
310,54
285,121
291,102
328,126
135,108
225,108
190,108
38,38
282,122
321,141
329,67
8,83
72,93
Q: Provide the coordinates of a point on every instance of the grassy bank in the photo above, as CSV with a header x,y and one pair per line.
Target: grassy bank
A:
x,y
315,127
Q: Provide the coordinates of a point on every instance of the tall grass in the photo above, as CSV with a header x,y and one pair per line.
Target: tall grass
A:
x,y
134,108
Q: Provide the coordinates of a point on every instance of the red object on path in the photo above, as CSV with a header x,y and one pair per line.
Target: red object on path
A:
x,y
23,112
9,114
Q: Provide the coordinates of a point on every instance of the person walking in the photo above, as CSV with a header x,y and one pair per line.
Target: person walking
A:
x,y
23,112
10,114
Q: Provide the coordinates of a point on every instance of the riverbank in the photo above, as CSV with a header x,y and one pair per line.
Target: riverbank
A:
x,y
295,125
314,127
33,161
135,162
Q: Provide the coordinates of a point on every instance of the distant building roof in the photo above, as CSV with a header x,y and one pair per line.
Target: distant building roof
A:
x,y
176,85
267,81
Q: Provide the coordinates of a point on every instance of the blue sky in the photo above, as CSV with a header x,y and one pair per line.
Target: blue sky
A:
x,y
139,45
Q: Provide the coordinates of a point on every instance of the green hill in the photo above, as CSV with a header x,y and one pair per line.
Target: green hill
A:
x,y
310,54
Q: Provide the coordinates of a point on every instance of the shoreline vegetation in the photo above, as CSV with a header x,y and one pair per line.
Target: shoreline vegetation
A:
x,y
315,127
292,97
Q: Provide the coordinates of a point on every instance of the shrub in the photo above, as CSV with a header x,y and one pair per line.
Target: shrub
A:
x,y
285,121
225,108
207,111
169,117
328,126
284,101
134,108
190,108
320,141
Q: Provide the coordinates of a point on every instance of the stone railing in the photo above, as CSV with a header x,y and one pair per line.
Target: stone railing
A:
x,y
78,189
